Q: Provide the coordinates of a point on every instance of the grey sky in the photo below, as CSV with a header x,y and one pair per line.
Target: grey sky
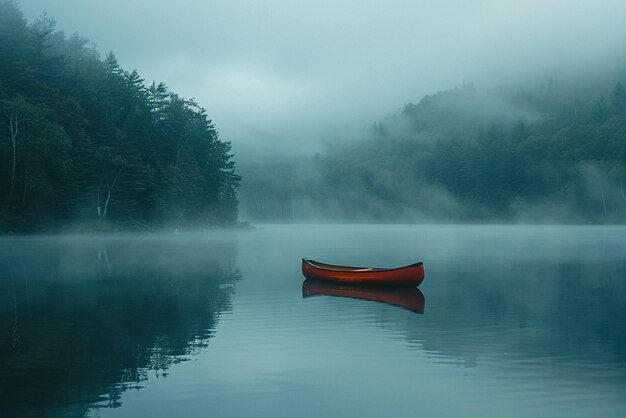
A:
x,y
279,70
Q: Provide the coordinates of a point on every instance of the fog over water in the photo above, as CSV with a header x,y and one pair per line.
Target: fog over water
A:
x,y
285,73
220,323
486,139
146,271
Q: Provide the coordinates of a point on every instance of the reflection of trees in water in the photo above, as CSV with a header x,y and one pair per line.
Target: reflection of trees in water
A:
x,y
99,316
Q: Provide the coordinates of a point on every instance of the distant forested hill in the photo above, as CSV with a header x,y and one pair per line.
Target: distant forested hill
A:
x,y
83,140
549,152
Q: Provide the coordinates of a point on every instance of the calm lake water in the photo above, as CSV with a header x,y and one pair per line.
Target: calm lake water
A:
x,y
517,321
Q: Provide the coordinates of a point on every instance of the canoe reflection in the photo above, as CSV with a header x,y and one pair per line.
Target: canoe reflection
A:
x,y
410,298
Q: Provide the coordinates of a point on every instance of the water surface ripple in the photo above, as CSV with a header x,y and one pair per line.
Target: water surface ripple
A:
x,y
518,320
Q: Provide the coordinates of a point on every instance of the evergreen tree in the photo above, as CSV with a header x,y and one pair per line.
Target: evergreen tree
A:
x,y
83,139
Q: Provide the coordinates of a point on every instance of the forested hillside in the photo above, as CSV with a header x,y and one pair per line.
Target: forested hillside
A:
x,y
549,152
83,141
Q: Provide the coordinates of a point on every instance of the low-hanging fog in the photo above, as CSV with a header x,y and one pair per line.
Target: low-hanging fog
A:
x,y
291,72
294,85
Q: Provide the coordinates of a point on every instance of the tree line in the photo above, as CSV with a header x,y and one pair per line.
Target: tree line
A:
x,y
83,141
551,151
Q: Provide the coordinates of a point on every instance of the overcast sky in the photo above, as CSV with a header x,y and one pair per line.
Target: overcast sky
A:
x,y
278,70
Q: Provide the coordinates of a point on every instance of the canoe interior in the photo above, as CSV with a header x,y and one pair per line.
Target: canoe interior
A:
x,y
334,267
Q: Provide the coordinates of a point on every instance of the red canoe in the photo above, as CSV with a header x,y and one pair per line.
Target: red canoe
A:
x,y
412,275
405,297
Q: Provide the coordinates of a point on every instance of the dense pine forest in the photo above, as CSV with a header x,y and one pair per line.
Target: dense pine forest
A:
x,y
84,142
551,151
87,144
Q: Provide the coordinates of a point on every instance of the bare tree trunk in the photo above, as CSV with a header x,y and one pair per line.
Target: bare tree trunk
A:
x,y
603,201
106,203
621,187
14,126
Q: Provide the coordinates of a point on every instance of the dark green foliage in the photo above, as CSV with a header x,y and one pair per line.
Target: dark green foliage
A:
x,y
83,140
507,155
549,153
